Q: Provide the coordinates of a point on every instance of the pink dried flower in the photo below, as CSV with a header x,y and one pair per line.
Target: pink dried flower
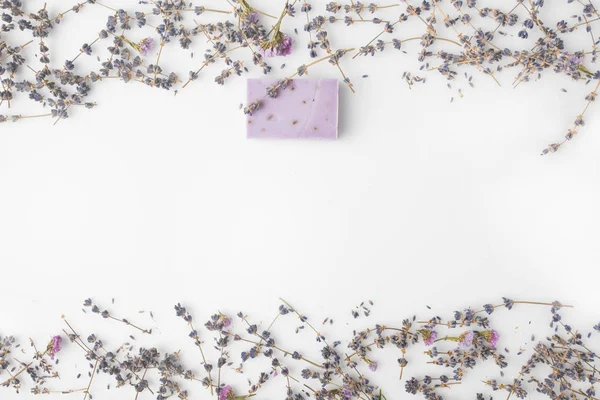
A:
x,y
430,337
54,346
226,393
285,48
226,321
281,45
490,336
466,339
494,337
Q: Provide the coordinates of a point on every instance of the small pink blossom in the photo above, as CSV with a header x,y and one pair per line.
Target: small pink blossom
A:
x,y
494,337
466,339
224,394
54,346
431,338
285,48
281,47
226,321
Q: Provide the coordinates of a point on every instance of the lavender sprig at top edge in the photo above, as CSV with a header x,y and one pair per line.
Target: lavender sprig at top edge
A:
x,y
455,34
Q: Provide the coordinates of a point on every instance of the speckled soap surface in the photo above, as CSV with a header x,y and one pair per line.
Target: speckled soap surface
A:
x,y
306,109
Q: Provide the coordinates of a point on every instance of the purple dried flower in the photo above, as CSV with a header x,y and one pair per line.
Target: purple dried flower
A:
x,y
54,346
226,393
253,18
347,393
372,365
281,45
494,337
429,336
285,48
575,59
491,336
226,321
146,46
466,339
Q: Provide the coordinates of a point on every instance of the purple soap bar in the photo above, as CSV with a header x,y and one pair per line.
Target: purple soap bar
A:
x,y
306,109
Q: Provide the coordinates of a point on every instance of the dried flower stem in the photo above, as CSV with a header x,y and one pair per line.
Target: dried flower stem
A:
x,y
198,344
591,98
203,10
375,38
19,49
87,390
500,306
208,61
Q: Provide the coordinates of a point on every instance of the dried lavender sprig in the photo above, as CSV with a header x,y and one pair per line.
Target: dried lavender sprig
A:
x,y
202,9
193,76
18,117
76,8
187,317
92,376
105,314
508,304
579,121
16,50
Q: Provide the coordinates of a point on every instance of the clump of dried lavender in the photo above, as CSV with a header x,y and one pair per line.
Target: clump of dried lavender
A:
x,y
455,34
566,359
338,374
279,44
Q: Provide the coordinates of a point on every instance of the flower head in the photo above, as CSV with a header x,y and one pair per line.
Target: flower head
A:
x,y
491,336
429,337
466,339
54,346
226,393
575,59
372,365
280,45
250,24
146,45
253,18
347,393
495,336
226,321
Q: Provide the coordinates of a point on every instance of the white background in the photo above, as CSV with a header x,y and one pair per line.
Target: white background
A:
x,y
154,199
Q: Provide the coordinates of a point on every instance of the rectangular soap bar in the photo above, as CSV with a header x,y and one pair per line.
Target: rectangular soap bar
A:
x,y
306,109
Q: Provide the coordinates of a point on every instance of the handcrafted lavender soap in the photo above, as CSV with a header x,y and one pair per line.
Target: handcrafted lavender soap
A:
x,y
306,109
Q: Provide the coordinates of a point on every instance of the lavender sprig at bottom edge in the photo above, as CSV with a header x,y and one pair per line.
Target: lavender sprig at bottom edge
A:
x,y
454,35
561,366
